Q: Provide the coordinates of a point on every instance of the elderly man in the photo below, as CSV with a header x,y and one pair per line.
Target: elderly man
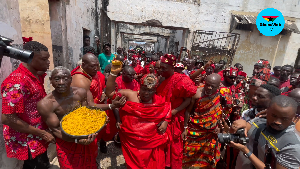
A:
x,y
144,121
190,65
72,153
201,149
25,135
88,77
273,142
178,89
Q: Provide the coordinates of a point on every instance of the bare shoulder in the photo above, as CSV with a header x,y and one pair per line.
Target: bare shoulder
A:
x,y
80,81
198,93
126,92
46,104
80,91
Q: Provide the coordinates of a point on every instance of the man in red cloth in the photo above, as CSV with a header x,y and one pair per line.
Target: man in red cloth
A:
x,y
72,153
125,81
89,77
144,120
177,89
285,73
294,83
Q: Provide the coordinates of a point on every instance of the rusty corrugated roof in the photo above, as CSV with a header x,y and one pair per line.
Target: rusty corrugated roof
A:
x,y
250,19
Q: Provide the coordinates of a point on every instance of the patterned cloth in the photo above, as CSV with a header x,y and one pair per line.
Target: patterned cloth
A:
x,y
21,91
175,89
201,149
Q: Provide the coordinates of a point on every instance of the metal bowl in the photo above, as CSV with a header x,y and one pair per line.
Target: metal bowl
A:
x,y
83,136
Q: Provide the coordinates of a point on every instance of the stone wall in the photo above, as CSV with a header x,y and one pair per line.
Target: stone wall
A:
x,y
11,28
35,22
215,15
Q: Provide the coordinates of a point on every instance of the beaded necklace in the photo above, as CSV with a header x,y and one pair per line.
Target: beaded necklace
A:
x,y
86,74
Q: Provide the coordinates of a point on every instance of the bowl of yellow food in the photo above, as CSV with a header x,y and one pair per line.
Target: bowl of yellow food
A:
x,y
83,121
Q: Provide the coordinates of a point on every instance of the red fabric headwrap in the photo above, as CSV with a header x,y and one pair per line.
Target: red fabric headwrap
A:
x,y
169,59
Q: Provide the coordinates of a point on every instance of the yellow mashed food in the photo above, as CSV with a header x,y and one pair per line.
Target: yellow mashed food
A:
x,y
83,121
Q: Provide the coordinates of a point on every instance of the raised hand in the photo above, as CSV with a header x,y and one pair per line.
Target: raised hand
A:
x,y
118,101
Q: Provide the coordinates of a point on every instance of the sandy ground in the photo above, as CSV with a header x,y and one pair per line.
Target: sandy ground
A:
x,y
112,160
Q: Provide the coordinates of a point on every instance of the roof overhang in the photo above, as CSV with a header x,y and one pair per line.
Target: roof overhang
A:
x,y
251,19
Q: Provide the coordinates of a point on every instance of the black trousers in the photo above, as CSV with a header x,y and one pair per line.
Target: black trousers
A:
x,y
39,162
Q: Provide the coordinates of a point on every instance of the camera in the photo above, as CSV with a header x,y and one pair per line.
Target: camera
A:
x,y
238,137
19,54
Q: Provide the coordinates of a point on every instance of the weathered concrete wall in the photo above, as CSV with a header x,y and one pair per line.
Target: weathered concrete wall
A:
x,y
35,22
212,15
253,46
80,14
10,27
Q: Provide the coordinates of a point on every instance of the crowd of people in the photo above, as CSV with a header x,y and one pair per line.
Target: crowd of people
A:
x,y
162,112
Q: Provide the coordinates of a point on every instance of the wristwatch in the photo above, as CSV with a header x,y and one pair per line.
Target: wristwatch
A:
x,y
248,154
76,141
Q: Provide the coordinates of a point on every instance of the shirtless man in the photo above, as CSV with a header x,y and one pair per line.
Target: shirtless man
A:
x,y
89,77
52,109
146,109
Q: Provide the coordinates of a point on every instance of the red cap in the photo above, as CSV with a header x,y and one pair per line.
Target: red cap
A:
x,y
169,59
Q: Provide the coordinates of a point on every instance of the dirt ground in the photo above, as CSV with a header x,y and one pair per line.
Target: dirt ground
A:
x,y
112,160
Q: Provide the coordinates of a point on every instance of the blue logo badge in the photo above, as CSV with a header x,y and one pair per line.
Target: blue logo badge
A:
x,y
270,22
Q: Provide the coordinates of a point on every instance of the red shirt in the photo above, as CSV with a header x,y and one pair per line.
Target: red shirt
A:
x,y
285,84
134,85
21,91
